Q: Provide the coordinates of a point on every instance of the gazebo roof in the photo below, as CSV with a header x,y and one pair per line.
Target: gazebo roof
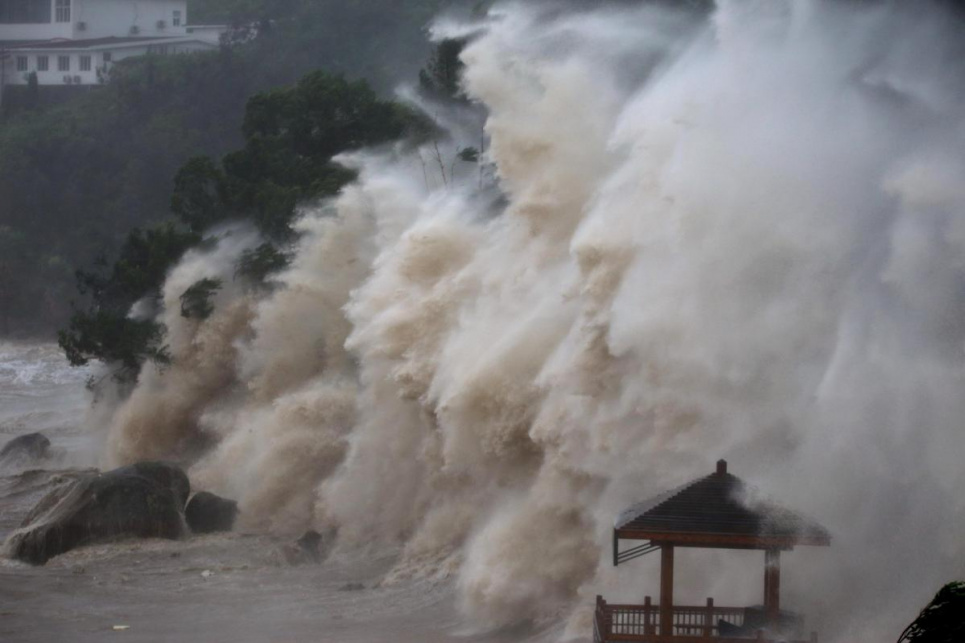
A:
x,y
718,511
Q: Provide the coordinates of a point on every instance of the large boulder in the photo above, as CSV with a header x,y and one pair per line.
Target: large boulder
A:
x,y
164,474
145,500
32,446
207,513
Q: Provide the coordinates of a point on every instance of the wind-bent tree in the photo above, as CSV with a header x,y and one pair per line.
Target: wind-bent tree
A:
x,y
291,135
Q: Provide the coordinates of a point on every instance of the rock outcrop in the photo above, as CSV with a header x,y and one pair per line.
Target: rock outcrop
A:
x,y
166,475
144,500
207,513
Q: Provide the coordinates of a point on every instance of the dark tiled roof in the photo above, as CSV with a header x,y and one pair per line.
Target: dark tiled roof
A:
x,y
86,44
719,508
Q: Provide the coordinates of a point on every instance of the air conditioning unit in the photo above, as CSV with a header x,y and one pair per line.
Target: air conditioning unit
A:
x,y
68,80
81,26
161,25
77,80
135,30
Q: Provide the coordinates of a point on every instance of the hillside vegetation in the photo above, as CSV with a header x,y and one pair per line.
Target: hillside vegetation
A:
x,y
76,178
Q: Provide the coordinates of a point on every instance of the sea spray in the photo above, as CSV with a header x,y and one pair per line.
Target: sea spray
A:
x,y
160,417
287,431
738,236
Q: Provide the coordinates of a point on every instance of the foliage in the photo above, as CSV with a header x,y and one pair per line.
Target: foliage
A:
x,y
442,75
77,176
469,155
942,620
200,193
256,264
105,331
196,300
140,269
292,135
114,339
102,162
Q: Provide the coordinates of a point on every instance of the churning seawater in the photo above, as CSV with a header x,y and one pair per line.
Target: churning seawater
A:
x,y
40,391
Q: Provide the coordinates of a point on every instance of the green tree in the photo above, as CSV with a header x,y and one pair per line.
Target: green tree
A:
x,y
200,194
291,136
119,341
140,269
104,330
196,300
78,176
256,264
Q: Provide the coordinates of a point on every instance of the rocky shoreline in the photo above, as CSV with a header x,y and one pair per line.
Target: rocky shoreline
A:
x,y
83,507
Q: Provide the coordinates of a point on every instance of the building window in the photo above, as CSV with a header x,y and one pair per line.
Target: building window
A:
x,y
176,19
108,57
62,10
43,63
85,63
31,12
63,63
21,63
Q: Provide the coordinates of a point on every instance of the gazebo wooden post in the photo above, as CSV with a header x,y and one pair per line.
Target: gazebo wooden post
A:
x,y
772,584
666,590
648,619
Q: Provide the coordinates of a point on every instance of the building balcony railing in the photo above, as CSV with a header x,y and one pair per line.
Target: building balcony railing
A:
x,y
691,624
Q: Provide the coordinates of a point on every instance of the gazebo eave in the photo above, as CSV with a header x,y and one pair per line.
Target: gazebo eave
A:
x,y
722,541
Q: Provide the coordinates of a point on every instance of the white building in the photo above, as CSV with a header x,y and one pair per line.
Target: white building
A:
x,y
72,42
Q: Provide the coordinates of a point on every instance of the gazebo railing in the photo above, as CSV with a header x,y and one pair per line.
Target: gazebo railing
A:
x,y
691,624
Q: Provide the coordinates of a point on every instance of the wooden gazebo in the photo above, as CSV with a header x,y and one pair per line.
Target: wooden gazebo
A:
x,y
712,512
